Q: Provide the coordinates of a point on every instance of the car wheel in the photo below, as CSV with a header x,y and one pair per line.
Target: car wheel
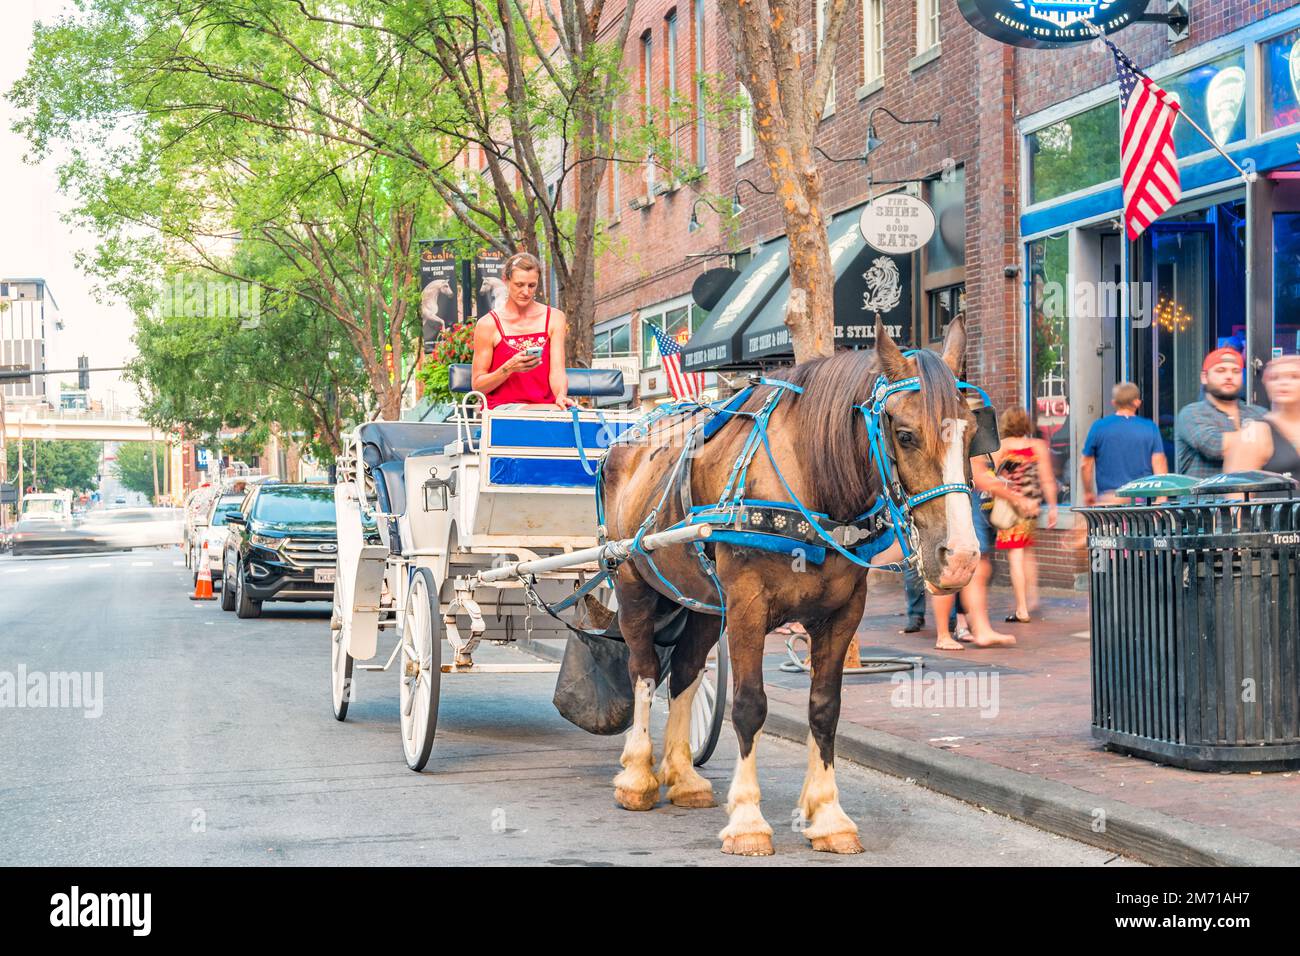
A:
x,y
244,605
227,588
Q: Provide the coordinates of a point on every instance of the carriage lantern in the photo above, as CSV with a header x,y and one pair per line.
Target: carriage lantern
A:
x,y
435,491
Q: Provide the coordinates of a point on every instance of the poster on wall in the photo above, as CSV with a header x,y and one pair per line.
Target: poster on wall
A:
x,y
489,287
437,290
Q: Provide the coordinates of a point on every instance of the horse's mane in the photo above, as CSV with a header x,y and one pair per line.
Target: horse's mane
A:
x,y
843,481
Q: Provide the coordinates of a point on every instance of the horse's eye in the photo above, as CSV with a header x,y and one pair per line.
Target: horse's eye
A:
x,y
906,439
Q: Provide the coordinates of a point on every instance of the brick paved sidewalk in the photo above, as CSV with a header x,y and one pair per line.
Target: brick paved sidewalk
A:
x,y
1041,723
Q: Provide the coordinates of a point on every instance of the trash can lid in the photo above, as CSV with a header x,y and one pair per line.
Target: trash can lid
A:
x,y
1158,486
1235,482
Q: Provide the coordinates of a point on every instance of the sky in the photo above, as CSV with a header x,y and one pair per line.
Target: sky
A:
x,y
34,240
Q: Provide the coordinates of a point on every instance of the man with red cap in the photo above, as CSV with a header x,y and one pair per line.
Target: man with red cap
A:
x,y
1204,428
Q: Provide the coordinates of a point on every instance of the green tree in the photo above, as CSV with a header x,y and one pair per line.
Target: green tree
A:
x,y
56,465
134,465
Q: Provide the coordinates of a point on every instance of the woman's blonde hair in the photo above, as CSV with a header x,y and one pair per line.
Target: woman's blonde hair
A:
x,y
1015,424
521,262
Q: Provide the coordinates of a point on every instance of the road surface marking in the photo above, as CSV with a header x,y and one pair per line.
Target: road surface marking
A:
x,y
17,570
142,564
178,564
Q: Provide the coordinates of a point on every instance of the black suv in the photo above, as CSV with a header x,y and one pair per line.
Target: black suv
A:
x,y
282,546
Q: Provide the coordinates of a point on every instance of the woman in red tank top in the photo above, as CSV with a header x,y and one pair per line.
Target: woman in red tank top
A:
x,y
504,370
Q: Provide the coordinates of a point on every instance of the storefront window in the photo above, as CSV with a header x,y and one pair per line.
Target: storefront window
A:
x,y
947,250
1280,59
1075,153
1286,284
1214,95
944,304
679,322
614,341
1049,264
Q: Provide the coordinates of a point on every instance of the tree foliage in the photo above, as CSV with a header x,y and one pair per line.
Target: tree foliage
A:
x,y
134,465
56,465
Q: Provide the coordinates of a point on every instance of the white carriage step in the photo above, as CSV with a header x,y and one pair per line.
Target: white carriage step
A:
x,y
502,669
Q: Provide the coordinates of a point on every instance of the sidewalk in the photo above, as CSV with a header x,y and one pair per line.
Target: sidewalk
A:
x,y
1031,754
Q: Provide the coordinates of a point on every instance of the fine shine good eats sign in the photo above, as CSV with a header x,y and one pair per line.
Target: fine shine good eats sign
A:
x,y
897,223
1047,23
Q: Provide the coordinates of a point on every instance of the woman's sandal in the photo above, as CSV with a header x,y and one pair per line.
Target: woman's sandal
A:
x,y
1014,619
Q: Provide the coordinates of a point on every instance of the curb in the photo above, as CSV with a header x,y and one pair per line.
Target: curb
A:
x,y
1144,835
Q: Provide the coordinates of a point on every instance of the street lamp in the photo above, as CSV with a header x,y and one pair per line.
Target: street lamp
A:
x,y
694,224
736,207
874,142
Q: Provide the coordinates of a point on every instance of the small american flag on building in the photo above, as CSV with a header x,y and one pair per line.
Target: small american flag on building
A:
x,y
1148,164
680,384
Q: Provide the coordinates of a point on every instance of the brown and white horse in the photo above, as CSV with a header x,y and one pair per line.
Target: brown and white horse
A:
x,y
819,442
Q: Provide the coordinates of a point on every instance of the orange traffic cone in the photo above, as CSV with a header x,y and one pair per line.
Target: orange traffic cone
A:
x,y
203,583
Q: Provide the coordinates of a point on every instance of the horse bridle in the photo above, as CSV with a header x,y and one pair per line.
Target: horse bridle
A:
x,y
899,503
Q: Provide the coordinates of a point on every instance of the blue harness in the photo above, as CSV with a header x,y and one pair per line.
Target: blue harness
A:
x,y
779,526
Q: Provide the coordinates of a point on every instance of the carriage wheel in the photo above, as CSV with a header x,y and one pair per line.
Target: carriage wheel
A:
x,y
340,662
421,668
709,707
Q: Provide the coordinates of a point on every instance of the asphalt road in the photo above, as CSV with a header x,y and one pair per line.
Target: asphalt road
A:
x,y
216,745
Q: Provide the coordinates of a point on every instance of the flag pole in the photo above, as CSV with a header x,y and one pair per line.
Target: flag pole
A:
x,y
1249,177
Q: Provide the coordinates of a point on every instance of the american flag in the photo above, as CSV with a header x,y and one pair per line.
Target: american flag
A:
x,y
1148,164
681,384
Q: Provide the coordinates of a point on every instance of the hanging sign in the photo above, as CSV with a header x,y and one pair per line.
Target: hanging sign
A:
x,y
1046,23
489,285
897,223
437,290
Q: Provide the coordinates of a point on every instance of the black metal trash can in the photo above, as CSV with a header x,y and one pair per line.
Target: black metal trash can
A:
x,y
1196,625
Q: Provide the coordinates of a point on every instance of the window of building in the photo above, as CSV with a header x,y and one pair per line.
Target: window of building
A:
x,y
1049,333
745,124
1281,96
1215,95
873,41
701,140
1074,153
670,96
679,318
647,104
943,304
927,24
821,34
611,342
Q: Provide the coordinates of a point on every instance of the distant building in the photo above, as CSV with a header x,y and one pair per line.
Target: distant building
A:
x,y
29,316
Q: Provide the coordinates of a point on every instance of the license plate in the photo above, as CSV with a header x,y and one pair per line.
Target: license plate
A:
x,y
325,575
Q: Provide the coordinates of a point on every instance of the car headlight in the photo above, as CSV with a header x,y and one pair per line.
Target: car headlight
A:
x,y
265,541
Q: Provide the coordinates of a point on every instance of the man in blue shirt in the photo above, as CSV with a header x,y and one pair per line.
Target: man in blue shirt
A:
x,y
1120,448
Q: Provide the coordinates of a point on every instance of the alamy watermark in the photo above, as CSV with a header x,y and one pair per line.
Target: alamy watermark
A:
x,y
63,689
934,691
1079,300
187,297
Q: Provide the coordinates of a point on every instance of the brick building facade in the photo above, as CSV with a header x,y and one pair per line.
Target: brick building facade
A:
x,y
997,106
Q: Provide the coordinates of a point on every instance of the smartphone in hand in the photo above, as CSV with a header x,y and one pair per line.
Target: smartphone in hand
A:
x,y
534,352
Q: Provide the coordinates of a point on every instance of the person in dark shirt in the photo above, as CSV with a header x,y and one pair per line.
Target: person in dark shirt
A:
x,y
1205,429
1120,448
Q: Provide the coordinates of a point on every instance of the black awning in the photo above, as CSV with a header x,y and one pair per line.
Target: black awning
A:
x,y
717,341
866,281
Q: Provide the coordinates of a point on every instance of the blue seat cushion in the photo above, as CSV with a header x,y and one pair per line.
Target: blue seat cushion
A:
x,y
583,382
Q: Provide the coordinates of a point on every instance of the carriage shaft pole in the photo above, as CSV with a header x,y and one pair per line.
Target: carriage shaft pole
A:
x,y
615,550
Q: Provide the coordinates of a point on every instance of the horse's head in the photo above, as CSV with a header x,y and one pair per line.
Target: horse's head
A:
x,y
929,431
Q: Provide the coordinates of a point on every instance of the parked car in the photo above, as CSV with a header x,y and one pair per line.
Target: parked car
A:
x,y
282,546
213,531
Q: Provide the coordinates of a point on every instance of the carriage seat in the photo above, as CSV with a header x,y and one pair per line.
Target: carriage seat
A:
x,y
385,446
583,382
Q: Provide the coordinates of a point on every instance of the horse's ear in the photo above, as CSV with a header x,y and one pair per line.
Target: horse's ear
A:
x,y
892,361
954,345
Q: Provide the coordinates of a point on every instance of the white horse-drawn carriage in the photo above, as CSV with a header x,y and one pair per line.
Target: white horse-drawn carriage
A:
x,y
466,531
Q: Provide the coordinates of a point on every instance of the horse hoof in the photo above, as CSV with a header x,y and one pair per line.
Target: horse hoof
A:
x,y
748,844
837,843
697,800
636,799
